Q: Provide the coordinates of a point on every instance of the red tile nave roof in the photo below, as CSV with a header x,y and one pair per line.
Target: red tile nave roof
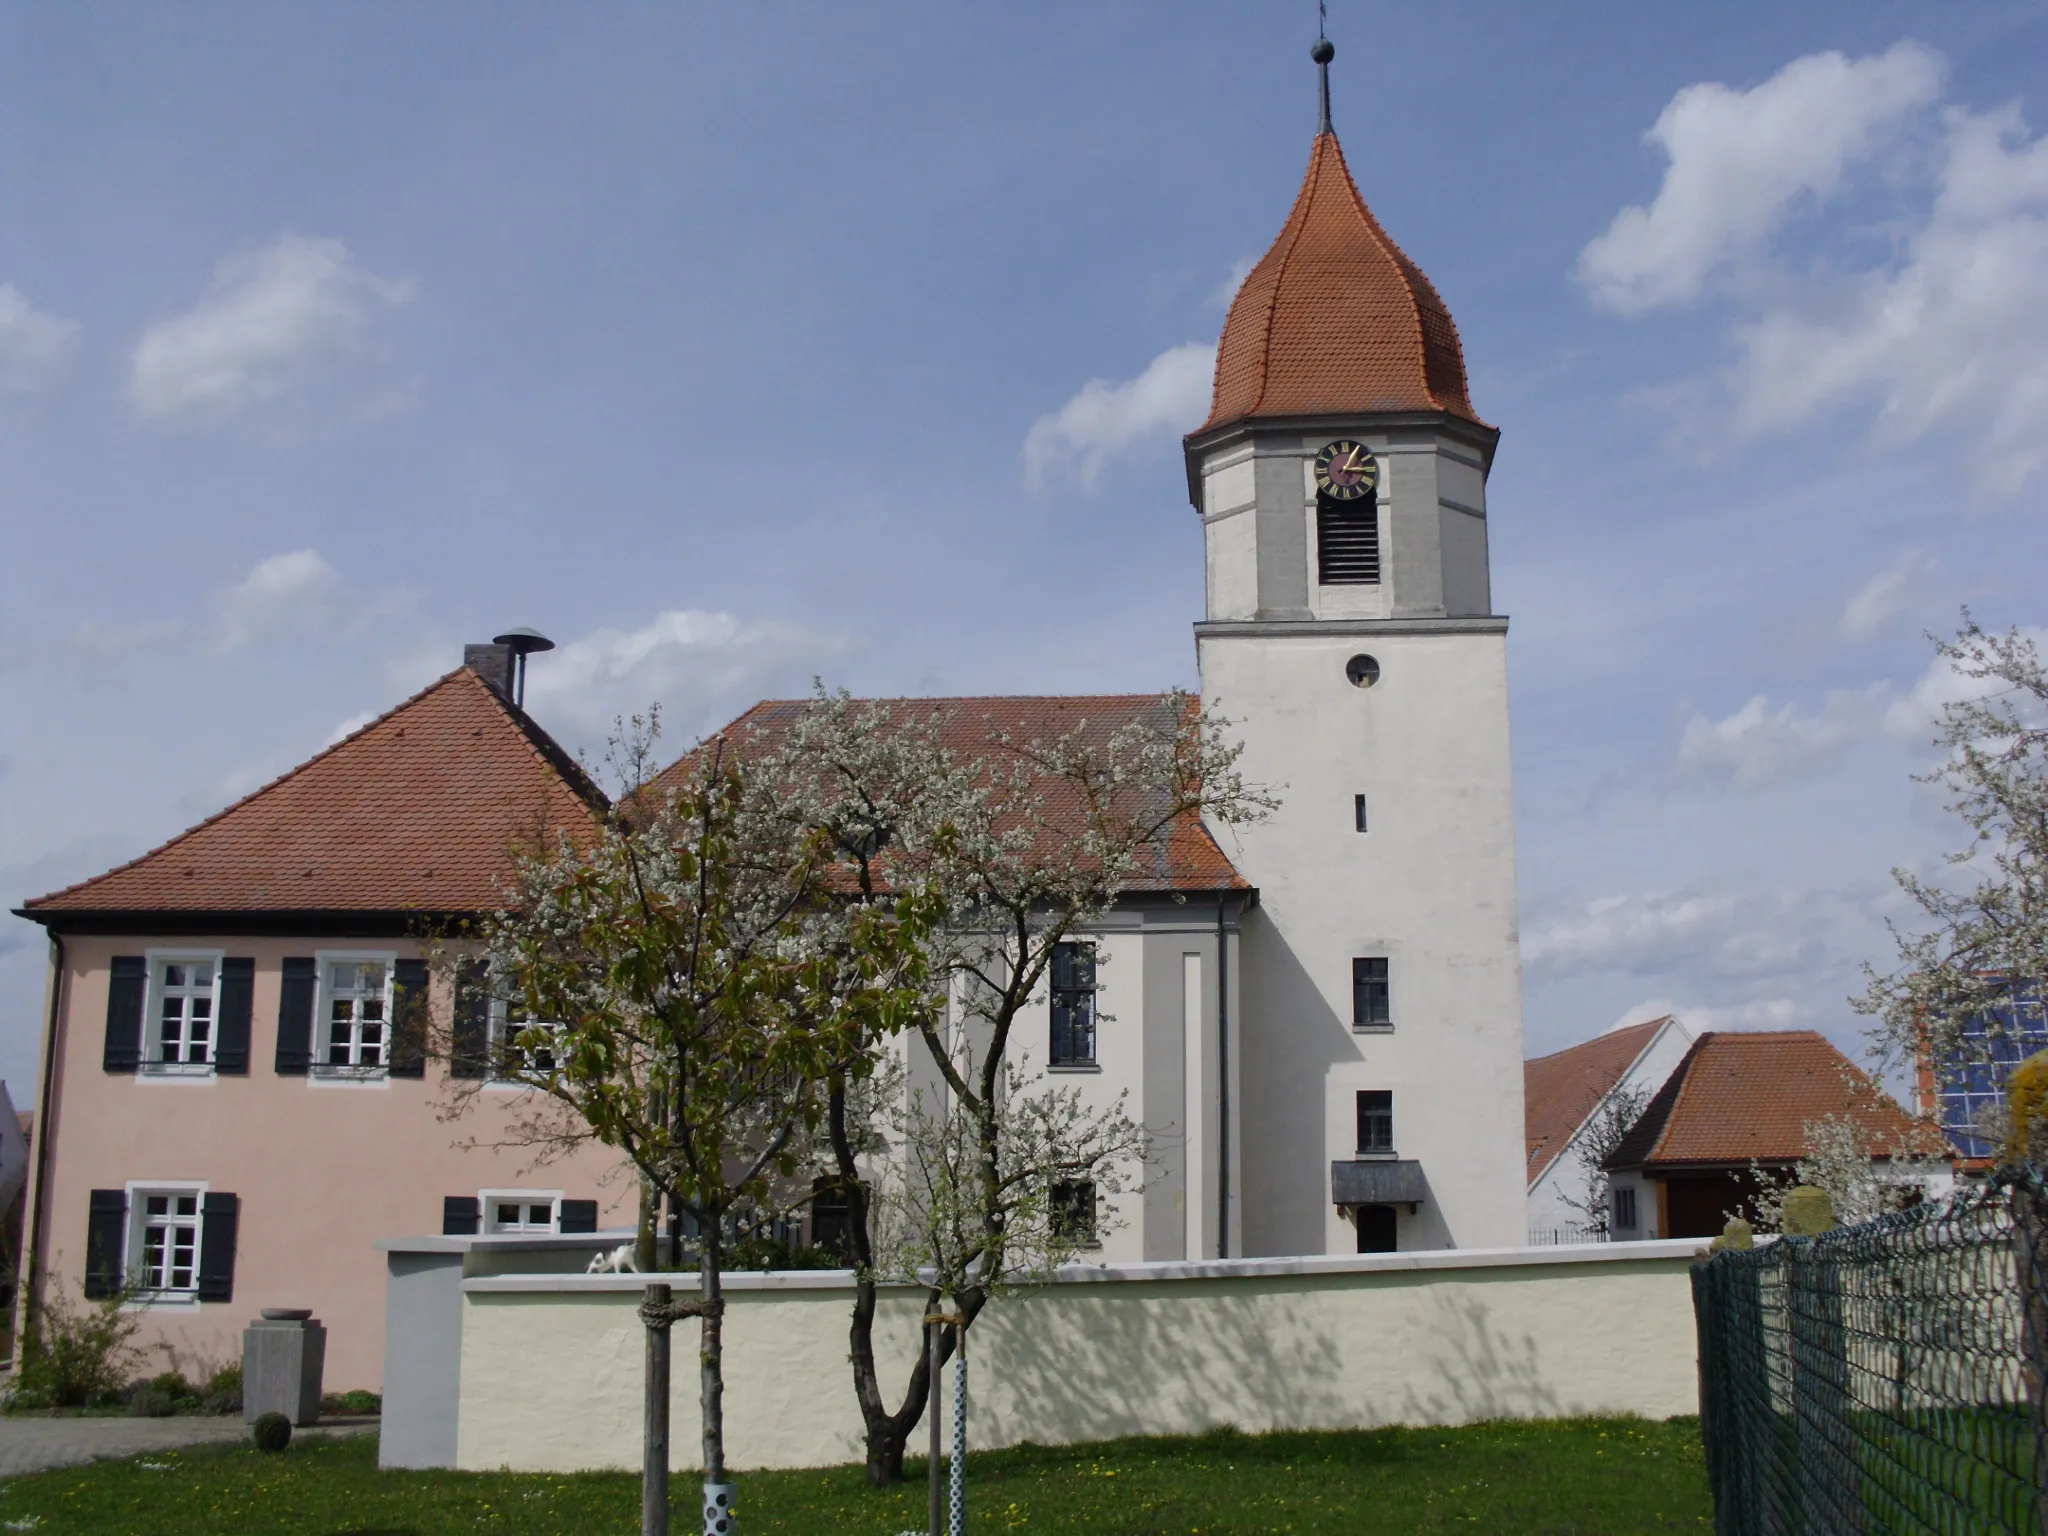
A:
x,y
420,811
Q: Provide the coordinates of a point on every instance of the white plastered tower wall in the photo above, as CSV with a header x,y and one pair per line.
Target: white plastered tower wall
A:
x,y
1430,886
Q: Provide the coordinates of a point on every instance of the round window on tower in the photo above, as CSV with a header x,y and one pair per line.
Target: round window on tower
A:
x,y
1363,671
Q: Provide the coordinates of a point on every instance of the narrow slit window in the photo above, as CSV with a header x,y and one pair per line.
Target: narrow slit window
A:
x,y
1358,810
1348,541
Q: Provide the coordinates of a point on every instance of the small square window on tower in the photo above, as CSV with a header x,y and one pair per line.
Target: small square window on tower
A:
x,y
1371,994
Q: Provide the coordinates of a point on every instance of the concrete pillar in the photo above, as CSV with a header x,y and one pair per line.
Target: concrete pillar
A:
x,y
283,1355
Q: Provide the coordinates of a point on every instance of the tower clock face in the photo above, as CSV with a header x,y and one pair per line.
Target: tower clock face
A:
x,y
1346,470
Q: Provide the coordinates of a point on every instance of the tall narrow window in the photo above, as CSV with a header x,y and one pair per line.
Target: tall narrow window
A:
x,y
357,1013
1348,541
1371,994
1625,1210
1358,810
1073,1005
1375,1122
184,1012
1073,1212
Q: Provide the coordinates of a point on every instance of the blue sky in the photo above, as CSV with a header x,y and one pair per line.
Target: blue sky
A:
x,y
710,341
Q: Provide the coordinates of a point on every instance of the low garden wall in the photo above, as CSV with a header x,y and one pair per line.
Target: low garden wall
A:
x,y
542,1371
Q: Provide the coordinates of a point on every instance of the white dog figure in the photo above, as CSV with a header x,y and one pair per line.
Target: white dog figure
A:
x,y
618,1262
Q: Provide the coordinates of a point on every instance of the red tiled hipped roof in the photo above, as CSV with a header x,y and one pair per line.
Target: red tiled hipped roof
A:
x,y
970,727
1559,1091
1739,1096
1336,320
419,810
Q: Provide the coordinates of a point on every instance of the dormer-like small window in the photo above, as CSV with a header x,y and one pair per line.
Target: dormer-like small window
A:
x,y
1348,541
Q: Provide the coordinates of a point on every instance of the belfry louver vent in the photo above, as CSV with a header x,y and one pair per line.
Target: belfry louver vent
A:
x,y
1348,542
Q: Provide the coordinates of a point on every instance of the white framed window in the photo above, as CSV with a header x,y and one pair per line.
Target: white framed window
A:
x,y
521,1210
184,1011
165,1224
519,1046
353,1023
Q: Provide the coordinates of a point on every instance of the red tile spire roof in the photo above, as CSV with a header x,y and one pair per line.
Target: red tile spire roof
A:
x,y
419,811
1336,320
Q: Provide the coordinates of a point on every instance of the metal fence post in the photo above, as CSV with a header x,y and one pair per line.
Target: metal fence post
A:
x,y
2030,1266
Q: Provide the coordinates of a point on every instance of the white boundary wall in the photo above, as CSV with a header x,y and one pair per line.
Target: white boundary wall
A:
x,y
550,1364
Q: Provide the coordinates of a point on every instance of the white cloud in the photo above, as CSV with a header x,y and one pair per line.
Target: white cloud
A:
x,y
1726,933
1891,592
1739,162
702,668
286,595
295,321
34,346
1696,1019
1107,418
1914,716
1760,745
1942,331
1225,292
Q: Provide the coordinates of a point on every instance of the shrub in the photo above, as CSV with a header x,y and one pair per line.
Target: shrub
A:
x,y
271,1432
76,1356
223,1393
759,1252
357,1401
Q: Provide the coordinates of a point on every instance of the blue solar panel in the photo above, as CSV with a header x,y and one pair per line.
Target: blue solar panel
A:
x,y
1976,1080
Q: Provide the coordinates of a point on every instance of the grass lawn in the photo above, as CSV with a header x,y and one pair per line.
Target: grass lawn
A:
x,y
1568,1478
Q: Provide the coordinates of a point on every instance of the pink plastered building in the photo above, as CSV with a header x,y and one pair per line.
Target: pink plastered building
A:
x,y
238,1099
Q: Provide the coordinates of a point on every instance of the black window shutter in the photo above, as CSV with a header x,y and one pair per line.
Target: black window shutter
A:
x,y
237,1000
470,1056
461,1215
409,1019
579,1216
220,1215
127,985
295,1015
106,1234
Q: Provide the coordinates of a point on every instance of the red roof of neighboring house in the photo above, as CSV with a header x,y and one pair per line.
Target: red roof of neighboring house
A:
x,y
1336,320
1743,1097
1559,1091
417,811
970,727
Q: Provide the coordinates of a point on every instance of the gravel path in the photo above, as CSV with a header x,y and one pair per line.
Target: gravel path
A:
x,y
37,1445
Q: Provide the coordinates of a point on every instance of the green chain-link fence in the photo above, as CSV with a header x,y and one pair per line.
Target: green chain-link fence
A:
x,y
1884,1378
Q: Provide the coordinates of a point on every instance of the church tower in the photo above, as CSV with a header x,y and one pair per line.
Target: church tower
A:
x,y
1350,638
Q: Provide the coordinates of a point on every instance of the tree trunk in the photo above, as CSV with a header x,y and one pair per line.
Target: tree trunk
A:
x,y
654,1437
643,1236
719,1518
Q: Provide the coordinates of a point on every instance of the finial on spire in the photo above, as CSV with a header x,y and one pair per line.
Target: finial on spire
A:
x,y
1324,51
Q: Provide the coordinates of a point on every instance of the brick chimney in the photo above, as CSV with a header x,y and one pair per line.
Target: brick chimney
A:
x,y
492,663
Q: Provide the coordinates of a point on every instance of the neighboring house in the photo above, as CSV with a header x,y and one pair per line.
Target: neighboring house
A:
x,y
1740,1102
1565,1096
237,1103
1967,1095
